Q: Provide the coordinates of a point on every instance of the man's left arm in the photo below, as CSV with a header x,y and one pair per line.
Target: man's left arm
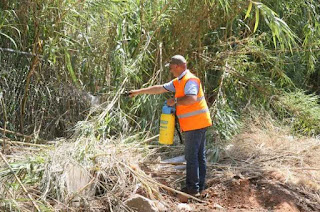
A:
x,y
191,91
185,100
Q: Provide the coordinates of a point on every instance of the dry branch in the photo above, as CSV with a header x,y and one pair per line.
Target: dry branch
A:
x,y
161,185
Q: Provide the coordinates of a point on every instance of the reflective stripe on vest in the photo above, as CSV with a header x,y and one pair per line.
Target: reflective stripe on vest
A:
x,y
193,113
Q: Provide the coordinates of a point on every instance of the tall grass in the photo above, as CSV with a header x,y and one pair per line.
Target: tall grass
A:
x,y
55,58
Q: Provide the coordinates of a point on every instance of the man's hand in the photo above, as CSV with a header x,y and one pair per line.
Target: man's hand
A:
x,y
133,93
170,102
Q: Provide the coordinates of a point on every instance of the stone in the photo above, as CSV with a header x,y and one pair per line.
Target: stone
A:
x,y
161,207
184,207
217,206
77,180
182,198
141,204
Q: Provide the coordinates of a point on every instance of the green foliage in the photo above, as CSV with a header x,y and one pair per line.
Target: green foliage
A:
x,y
227,122
280,30
30,171
300,110
100,47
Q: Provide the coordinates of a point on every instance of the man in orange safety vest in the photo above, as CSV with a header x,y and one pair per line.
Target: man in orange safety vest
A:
x,y
194,118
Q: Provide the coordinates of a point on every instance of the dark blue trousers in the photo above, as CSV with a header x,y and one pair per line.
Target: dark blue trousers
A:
x,y
195,147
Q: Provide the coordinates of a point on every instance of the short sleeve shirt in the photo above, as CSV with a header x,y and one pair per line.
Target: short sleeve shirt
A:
x,y
191,87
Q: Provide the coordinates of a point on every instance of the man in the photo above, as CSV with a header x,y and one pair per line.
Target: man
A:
x,y
194,117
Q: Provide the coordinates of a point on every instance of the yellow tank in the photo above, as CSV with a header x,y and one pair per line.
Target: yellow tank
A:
x,y
167,122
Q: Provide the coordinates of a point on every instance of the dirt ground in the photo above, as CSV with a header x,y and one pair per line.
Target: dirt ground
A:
x,y
263,171
254,194
243,192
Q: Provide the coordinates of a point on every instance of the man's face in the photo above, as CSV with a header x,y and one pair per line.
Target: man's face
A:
x,y
173,69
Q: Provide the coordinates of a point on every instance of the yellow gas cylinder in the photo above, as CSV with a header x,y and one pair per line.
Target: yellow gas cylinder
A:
x,y
167,121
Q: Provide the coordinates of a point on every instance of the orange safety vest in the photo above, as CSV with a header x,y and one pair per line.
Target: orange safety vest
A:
x,y
195,116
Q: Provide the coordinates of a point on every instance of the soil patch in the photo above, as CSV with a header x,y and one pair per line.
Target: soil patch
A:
x,y
255,194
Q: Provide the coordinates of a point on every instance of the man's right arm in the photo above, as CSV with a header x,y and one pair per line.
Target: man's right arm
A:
x,y
156,89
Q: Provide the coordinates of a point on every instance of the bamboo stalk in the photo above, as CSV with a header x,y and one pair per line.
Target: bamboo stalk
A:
x,y
19,52
142,38
35,61
164,163
5,124
33,65
309,169
15,133
19,181
150,139
25,144
20,134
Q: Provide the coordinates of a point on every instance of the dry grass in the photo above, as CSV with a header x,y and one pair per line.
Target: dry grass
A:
x,y
92,173
74,174
272,152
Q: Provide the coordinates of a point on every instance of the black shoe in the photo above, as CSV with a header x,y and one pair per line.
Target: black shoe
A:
x,y
202,188
191,192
